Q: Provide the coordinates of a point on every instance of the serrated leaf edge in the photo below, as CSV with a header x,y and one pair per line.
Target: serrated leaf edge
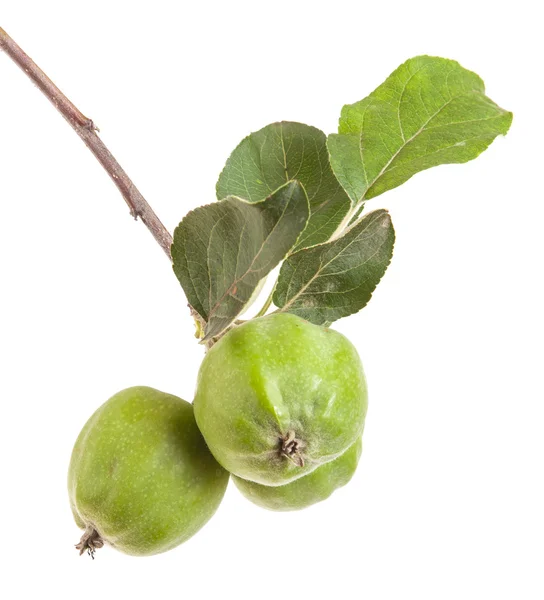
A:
x,y
381,210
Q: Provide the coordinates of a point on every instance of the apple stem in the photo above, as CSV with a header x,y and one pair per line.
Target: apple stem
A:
x,y
291,448
267,304
90,542
87,131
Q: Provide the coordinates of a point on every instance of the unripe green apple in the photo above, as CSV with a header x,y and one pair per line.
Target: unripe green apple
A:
x,y
141,477
304,491
278,396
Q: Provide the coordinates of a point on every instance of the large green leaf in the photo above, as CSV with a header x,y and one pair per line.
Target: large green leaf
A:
x,y
336,279
221,251
281,152
430,111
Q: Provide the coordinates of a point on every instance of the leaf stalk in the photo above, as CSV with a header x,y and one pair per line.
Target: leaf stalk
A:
x,y
267,304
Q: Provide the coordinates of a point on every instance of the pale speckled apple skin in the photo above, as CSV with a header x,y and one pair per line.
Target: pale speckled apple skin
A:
x,y
141,473
305,491
272,375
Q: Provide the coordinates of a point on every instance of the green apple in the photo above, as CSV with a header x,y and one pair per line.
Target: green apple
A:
x,y
141,477
305,491
278,396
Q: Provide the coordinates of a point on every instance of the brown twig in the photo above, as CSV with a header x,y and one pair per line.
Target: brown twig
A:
x,y
86,130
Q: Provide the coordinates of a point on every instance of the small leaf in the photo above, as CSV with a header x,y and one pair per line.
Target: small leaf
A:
x,y
280,152
334,280
430,111
221,251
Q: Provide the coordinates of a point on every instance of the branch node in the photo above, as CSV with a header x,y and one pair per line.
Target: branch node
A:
x,y
90,126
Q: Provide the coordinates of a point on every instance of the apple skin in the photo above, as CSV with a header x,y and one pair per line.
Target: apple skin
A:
x,y
305,491
273,379
141,475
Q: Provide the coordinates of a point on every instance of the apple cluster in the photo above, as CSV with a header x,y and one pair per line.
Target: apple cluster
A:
x,y
280,405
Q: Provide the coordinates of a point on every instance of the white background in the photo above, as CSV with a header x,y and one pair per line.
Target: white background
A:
x,y
448,499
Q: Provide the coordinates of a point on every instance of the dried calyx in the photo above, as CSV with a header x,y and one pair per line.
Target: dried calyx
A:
x,y
90,542
291,448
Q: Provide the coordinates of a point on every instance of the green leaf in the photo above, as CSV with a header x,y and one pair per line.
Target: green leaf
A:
x,y
336,279
221,251
430,111
281,152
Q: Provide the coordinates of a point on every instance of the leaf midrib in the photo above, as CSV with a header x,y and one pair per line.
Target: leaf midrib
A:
x,y
409,140
324,266
236,281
